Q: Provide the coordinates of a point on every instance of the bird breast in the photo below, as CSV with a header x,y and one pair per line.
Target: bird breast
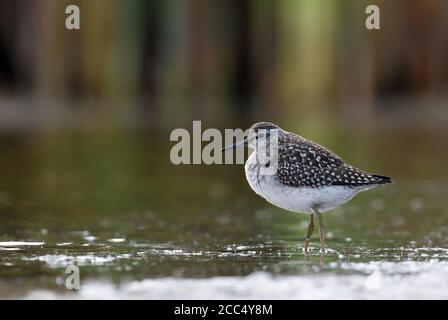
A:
x,y
295,199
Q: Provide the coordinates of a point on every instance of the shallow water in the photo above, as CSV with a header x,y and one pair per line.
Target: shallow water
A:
x,y
139,227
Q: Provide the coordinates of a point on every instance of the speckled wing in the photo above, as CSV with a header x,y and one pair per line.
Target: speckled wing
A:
x,y
303,163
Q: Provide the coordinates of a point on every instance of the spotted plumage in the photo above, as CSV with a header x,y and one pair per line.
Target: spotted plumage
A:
x,y
308,178
303,163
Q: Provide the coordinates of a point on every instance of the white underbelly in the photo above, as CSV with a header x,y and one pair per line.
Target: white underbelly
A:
x,y
302,199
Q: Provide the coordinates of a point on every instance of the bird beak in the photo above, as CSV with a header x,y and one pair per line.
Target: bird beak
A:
x,y
242,143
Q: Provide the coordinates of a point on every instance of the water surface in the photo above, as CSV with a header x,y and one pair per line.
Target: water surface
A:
x,y
139,227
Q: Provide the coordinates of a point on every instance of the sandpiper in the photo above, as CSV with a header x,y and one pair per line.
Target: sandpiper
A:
x,y
308,178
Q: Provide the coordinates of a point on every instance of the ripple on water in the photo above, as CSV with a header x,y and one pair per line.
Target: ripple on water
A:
x,y
347,272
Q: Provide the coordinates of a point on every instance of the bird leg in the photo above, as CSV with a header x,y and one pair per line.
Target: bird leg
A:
x,y
309,233
321,230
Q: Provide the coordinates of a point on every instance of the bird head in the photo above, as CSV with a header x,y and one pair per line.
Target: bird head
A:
x,y
260,133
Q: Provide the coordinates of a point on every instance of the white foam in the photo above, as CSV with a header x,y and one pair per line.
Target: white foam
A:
x,y
61,261
20,243
377,280
63,244
117,240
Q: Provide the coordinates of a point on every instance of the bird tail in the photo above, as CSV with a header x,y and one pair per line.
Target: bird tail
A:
x,y
382,179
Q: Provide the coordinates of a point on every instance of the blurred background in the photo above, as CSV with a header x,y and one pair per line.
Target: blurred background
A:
x,y
164,63
85,118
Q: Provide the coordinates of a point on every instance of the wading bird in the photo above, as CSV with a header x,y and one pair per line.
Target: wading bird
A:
x,y
307,178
